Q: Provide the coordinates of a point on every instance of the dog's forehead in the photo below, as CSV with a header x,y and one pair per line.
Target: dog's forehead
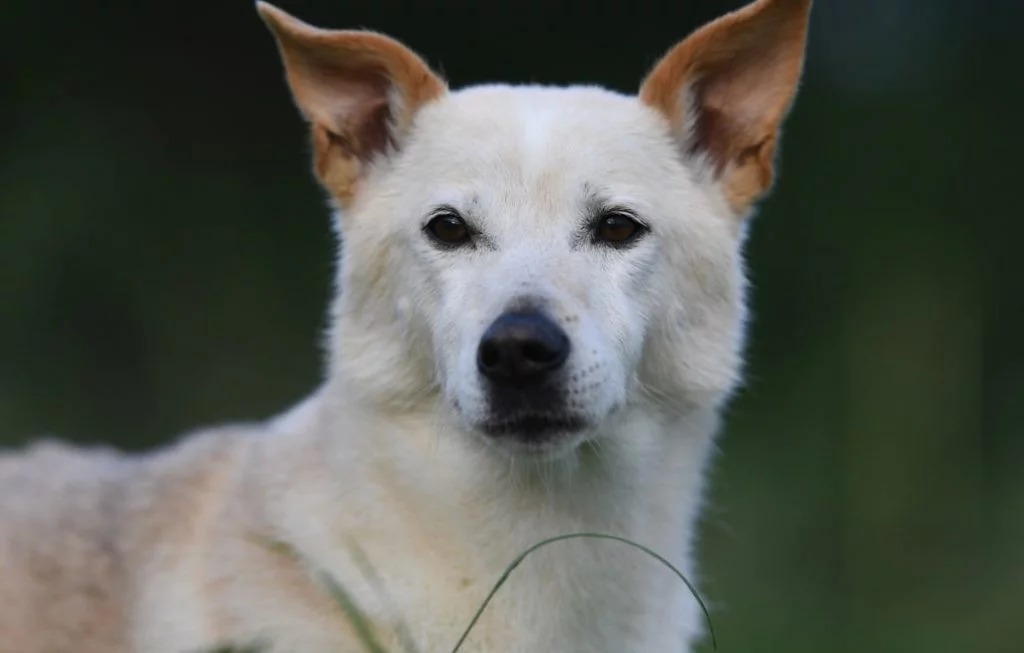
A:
x,y
571,107
537,131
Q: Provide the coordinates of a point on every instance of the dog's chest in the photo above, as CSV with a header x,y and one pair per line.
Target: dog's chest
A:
x,y
562,600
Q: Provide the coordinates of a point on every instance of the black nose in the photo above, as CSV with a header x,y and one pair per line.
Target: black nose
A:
x,y
522,346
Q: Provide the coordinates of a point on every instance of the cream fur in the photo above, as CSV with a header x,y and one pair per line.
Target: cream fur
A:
x,y
105,553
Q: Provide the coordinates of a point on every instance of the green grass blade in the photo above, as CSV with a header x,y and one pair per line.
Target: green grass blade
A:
x,y
354,614
596,536
347,604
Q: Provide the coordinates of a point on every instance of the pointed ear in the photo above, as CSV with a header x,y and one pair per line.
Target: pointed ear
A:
x,y
727,88
359,90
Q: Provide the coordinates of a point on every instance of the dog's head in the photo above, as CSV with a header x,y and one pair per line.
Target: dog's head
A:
x,y
539,259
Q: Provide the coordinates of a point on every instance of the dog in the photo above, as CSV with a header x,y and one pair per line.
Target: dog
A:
x,y
539,318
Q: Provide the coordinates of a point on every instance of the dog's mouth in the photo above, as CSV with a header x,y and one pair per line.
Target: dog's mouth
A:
x,y
533,428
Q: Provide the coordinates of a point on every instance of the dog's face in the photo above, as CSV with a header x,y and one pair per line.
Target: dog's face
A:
x,y
539,259
538,229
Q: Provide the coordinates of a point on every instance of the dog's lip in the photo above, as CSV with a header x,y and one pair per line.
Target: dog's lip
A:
x,y
534,427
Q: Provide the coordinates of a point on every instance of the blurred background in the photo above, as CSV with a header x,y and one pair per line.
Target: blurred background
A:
x,y
165,259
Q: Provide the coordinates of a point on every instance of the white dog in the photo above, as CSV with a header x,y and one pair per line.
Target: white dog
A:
x,y
540,314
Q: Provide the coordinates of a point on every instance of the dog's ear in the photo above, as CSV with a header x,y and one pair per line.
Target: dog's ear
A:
x,y
727,88
359,90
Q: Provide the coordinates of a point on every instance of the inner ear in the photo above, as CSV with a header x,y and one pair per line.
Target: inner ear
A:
x,y
363,129
359,90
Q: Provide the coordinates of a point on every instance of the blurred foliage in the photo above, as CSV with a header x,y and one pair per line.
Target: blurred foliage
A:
x,y
166,261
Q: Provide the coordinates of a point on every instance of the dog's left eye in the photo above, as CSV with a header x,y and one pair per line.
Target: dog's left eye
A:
x,y
448,228
617,229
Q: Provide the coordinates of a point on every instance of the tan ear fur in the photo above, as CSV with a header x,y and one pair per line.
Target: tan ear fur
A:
x,y
727,88
359,90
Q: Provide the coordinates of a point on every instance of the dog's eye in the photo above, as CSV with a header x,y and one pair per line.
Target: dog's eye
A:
x,y
617,229
448,228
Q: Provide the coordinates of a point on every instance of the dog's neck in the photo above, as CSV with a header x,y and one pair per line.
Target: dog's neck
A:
x,y
642,463
472,510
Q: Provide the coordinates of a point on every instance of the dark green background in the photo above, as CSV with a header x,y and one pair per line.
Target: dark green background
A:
x,y
166,259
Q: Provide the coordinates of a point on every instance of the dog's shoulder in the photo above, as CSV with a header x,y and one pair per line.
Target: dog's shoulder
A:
x,y
77,523
49,469
58,548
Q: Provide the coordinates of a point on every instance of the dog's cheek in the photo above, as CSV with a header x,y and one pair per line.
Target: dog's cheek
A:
x,y
638,300
691,353
655,344
404,311
439,309
421,287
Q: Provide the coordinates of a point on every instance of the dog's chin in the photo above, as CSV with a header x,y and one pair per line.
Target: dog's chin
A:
x,y
535,435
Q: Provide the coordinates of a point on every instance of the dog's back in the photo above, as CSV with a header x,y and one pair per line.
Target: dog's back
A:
x,y
81,528
60,559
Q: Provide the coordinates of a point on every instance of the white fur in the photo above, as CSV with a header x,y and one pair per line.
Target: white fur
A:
x,y
656,334
385,455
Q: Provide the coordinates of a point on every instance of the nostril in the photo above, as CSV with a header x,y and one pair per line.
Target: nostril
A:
x,y
489,355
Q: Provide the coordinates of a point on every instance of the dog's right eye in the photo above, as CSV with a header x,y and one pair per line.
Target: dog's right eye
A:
x,y
448,228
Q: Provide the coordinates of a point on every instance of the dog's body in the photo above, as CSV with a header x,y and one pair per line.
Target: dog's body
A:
x,y
165,546
542,316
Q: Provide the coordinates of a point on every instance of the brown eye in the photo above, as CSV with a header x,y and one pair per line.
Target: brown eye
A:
x,y
617,229
448,228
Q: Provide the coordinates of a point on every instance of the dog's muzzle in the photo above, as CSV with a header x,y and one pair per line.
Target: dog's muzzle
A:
x,y
522,357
